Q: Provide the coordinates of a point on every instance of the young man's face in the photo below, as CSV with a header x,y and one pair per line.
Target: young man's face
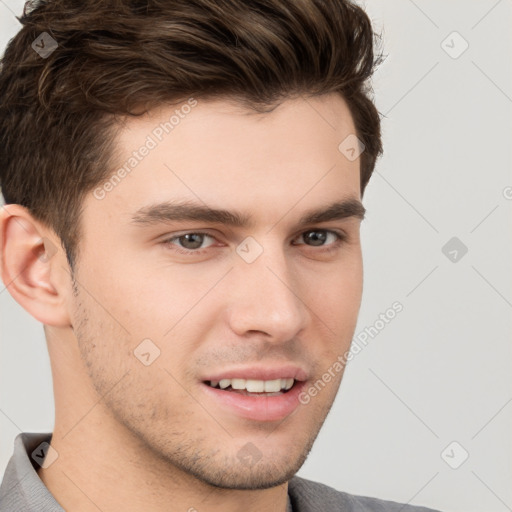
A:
x,y
274,299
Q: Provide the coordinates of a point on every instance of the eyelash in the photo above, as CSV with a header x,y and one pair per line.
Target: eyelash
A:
x,y
341,238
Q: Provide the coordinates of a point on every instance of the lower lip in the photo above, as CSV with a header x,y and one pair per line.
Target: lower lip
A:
x,y
257,408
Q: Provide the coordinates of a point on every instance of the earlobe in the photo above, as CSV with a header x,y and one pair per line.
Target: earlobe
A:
x,y
30,266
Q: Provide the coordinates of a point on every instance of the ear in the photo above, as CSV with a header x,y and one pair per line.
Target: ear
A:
x,y
33,266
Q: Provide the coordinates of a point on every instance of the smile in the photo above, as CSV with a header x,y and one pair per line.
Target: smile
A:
x,y
253,386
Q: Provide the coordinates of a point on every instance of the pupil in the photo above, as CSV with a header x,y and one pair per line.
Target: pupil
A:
x,y
317,237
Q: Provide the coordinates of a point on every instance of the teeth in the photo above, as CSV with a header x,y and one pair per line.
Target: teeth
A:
x,y
238,383
272,386
255,386
224,383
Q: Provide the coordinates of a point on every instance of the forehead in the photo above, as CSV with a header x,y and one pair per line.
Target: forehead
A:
x,y
299,126
223,155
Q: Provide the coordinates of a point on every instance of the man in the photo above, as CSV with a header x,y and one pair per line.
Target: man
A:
x,y
183,185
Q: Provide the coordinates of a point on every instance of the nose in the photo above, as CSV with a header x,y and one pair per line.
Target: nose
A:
x,y
265,297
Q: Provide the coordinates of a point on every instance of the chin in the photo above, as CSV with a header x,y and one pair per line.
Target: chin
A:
x,y
245,470
247,478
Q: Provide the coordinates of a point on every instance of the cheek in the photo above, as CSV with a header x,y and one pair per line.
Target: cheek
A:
x,y
141,307
121,376
337,291
335,303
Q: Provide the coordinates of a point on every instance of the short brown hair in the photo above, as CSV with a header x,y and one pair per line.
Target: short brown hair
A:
x,y
123,57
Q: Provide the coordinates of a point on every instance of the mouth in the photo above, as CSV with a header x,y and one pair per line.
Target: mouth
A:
x,y
257,394
253,387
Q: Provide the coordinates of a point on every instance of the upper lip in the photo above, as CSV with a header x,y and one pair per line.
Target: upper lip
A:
x,y
266,372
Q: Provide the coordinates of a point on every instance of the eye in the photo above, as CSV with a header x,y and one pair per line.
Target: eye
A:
x,y
188,242
318,237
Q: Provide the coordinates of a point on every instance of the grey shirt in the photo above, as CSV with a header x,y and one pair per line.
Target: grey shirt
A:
x,y
23,491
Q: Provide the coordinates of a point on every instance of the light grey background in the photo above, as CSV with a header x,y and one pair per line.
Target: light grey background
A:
x,y
440,371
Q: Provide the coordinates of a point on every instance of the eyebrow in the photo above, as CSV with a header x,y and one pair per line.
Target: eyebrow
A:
x,y
190,211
